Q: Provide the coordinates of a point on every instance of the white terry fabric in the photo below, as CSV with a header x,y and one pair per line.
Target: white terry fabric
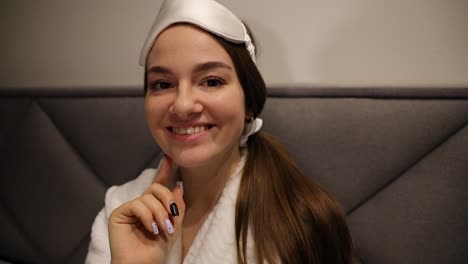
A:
x,y
215,242
99,249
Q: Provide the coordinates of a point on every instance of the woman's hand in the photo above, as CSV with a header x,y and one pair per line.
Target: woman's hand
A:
x,y
145,229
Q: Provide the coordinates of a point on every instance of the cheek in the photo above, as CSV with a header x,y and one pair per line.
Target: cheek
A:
x,y
230,109
154,111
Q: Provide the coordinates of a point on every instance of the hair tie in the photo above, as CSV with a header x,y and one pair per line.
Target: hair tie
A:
x,y
250,129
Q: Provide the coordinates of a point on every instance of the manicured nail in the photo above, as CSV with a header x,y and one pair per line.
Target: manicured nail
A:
x,y
169,226
155,228
181,186
174,209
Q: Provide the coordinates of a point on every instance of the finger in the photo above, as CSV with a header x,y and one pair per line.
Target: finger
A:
x,y
178,193
162,176
160,215
138,209
163,202
166,197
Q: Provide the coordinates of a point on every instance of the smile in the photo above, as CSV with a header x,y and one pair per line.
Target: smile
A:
x,y
189,130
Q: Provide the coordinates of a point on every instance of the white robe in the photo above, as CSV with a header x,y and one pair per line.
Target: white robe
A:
x,y
215,242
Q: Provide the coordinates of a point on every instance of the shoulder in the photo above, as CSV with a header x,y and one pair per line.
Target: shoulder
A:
x,y
99,250
117,195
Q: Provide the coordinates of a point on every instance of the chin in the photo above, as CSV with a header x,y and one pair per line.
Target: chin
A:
x,y
201,156
190,162
191,158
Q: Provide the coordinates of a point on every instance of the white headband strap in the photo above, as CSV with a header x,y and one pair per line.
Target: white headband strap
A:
x,y
207,14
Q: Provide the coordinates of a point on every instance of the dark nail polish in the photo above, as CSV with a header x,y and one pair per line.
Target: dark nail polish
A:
x,y
174,209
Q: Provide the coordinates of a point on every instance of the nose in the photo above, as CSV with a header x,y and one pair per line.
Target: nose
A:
x,y
186,104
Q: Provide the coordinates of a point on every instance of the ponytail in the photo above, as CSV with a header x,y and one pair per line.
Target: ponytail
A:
x,y
291,218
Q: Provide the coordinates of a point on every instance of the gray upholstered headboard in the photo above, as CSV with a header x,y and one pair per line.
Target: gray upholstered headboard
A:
x,y
396,158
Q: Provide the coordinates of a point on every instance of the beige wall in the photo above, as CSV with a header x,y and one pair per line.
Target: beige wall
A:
x,y
302,42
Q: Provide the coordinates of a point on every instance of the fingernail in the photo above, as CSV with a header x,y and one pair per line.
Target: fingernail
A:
x,y
169,226
155,228
181,186
174,209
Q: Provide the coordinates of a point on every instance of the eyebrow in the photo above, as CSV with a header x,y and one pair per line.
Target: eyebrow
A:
x,y
210,65
159,69
206,66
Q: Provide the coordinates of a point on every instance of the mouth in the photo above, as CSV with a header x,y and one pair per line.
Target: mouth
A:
x,y
190,130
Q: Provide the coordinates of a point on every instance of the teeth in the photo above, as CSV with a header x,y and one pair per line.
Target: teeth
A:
x,y
188,130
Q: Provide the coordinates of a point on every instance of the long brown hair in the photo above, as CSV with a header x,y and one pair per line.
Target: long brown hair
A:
x,y
291,218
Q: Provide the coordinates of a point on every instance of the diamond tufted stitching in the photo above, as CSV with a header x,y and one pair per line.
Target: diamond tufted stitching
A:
x,y
18,243
397,164
423,216
50,183
354,146
414,164
106,131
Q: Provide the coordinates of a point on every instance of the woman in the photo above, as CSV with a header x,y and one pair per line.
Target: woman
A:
x,y
243,200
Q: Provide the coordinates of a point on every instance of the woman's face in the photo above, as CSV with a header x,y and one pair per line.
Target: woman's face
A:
x,y
194,102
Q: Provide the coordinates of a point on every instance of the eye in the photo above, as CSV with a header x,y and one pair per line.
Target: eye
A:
x,y
160,85
213,81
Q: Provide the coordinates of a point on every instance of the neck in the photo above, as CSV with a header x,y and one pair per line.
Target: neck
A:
x,y
203,185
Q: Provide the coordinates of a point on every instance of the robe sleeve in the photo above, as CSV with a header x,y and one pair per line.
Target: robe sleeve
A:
x,y
99,248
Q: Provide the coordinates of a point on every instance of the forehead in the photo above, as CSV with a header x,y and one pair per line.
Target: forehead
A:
x,y
186,43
